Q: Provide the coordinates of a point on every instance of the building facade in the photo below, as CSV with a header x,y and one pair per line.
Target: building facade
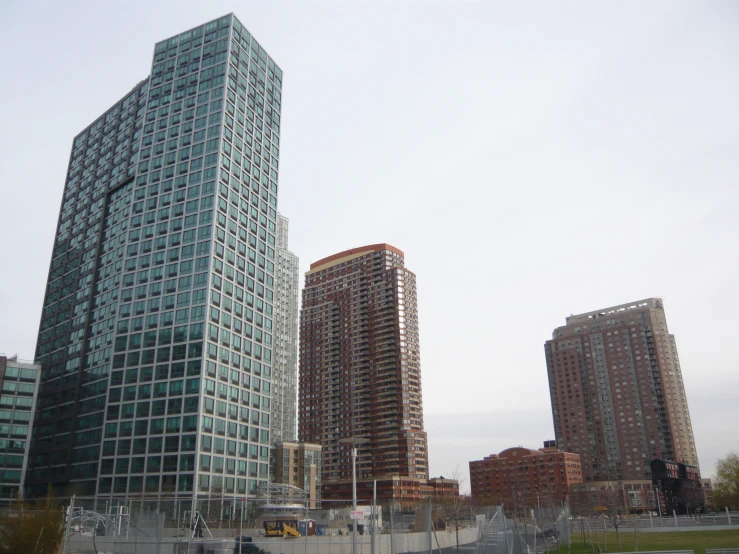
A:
x,y
285,371
707,488
156,335
617,391
19,385
524,477
679,487
299,465
444,488
360,374
612,497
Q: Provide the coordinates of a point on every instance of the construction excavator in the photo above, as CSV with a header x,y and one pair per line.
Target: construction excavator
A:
x,y
281,529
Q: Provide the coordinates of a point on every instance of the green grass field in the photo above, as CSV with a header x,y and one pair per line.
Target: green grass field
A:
x,y
691,540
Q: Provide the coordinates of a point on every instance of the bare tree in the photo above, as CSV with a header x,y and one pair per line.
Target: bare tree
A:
x,y
691,497
582,503
522,502
456,508
613,506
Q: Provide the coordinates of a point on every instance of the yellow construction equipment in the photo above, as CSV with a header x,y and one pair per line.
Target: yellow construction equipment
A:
x,y
280,529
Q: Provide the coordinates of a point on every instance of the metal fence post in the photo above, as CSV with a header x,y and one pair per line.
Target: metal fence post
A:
x,y
306,526
392,529
429,530
373,527
68,521
505,529
241,520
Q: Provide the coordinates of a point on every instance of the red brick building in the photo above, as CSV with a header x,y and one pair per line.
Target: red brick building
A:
x,y
360,374
617,391
442,487
524,476
597,497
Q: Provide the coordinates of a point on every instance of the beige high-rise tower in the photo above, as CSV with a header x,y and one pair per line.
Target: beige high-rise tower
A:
x,y
617,391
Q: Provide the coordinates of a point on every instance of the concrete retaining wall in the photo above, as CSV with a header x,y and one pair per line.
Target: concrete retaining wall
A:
x,y
403,543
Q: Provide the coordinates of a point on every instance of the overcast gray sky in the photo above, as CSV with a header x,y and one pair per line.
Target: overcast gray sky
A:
x,y
532,160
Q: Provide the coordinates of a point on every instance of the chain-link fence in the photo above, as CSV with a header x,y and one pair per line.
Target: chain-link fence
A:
x,y
533,530
153,525
653,521
226,525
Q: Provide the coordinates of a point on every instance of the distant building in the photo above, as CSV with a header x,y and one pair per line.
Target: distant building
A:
x,y
442,487
617,391
360,375
707,486
678,487
285,338
592,497
673,486
19,385
524,477
298,465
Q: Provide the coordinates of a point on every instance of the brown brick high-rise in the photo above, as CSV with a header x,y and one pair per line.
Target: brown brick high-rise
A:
x,y
360,374
617,391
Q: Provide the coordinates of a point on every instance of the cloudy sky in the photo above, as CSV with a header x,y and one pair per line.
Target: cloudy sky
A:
x,y
532,159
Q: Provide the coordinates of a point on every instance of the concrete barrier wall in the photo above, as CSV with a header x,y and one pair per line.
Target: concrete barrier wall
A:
x,y
403,543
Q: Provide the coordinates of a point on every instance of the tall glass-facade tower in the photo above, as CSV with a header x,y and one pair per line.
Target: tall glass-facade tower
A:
x,y
285,367
156,337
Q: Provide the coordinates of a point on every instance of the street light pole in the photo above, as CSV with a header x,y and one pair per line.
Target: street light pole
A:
x,y
354,441
354,497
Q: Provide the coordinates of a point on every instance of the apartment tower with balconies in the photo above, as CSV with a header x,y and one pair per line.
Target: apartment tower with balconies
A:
x,y
360,374
617,392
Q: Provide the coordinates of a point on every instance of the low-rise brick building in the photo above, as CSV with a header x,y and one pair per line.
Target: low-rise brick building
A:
x,y
524,476
444,487
596,497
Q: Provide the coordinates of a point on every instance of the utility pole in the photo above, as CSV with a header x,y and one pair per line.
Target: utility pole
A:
x,y
354,441
374,515
430,529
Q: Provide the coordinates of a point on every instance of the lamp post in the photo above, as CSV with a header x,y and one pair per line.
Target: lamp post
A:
x,y
354,441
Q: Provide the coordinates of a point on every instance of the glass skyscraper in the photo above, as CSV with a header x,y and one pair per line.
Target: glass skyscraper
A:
x,y
19,382
156,337
285,367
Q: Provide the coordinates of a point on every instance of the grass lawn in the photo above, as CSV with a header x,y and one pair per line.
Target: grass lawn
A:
x,y
691,540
